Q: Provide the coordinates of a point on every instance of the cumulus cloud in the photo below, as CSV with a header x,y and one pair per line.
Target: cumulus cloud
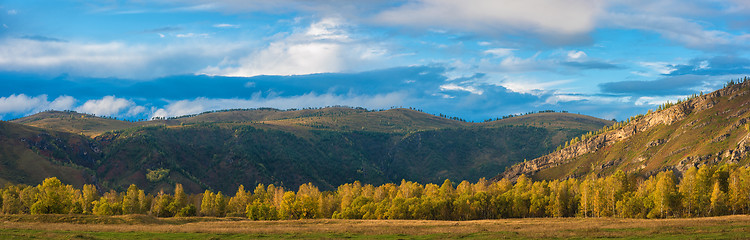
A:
x,y
21,104
62,103
324,46
109,106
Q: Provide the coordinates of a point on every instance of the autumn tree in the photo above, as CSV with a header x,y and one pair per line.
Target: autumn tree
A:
x,y
238,203
54,197
11,200
130,202
665,196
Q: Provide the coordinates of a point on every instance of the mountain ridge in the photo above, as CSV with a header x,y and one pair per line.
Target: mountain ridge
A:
x,y
328,147
666,127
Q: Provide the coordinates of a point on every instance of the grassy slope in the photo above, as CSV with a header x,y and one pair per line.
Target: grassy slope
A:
x,y
697,134
28,155
78,123
145,227
327,147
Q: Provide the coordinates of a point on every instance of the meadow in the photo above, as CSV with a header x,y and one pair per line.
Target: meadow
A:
x,y
52,226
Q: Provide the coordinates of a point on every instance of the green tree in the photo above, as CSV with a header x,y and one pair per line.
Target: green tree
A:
x,y
161,204
145,201
180,199
221,204
102,207
131,203
89,195
208,204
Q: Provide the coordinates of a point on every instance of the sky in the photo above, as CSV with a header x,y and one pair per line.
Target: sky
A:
x,y
474,59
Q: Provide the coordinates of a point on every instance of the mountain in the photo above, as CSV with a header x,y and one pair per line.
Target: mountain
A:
x,y
328,147
703,129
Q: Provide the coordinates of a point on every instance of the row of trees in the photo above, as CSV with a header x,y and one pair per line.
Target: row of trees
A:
x,y
704,191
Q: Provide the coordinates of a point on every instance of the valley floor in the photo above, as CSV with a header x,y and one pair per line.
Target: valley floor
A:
x,y
146,227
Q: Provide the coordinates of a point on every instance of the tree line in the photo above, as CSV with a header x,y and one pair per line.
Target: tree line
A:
x,y
705,191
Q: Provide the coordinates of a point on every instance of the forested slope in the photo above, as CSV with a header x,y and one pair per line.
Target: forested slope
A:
x,y
327,147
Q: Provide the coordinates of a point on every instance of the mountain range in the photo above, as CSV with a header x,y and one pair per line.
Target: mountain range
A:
x,y
327,147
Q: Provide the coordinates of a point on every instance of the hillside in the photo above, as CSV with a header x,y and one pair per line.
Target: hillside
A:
x,y
328,147
705,129
78,123
29,155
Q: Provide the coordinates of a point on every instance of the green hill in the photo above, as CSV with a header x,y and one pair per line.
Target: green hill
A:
x,y
704,129
29,155
328,147
79,123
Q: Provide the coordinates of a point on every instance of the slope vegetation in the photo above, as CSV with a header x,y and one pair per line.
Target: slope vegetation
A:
x,y
29,155
328,147
704,129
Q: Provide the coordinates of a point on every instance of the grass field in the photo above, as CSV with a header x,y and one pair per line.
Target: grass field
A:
x,y
145,227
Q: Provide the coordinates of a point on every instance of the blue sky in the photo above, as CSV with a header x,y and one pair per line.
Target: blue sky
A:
x,y
475,59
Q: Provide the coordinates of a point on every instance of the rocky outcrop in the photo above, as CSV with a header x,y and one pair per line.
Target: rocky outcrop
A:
x,y
644,123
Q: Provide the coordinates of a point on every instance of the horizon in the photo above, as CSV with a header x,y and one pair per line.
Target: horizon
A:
x,y
475,60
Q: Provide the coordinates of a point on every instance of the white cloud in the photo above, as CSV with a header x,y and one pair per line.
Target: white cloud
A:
x,y
498,17
226,25
561,97
107,106
678,29
62,103
455,87
500,52
531,86
112,59
21,103
658,67
324,46
193,35
575,55
513,63
658,100
198,105
12,12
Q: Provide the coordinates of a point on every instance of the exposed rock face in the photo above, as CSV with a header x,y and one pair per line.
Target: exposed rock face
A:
x,y
644,123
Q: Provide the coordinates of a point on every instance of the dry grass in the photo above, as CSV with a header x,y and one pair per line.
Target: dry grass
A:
x,y
716,227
